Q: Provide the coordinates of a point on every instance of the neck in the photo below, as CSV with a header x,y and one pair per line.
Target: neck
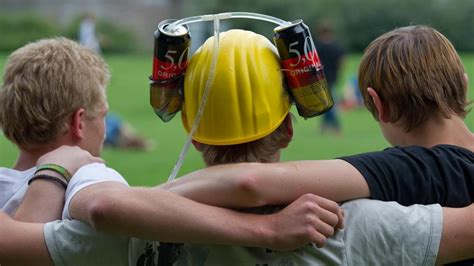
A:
x,y
437,131
275,158
28,157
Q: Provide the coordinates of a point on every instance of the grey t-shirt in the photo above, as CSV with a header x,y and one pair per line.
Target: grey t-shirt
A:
x,y
376,233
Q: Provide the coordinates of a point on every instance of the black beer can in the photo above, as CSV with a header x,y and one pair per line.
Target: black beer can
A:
x,y
170,59
303,69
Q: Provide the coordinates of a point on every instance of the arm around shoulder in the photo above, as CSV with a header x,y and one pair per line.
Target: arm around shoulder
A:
x,y
157,214
161,215
93,203
257,184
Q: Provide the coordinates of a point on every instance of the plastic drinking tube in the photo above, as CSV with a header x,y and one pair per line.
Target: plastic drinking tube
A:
x,y
227,15
210,79
207,89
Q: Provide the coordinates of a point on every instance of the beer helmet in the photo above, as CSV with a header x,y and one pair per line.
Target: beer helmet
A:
x,y
302,68
242,76
247,99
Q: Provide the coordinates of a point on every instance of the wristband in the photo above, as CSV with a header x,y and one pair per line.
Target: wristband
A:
x,y
56,168
50,178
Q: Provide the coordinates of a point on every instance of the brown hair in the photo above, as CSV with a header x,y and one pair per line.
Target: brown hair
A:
x,y
45,82
261,150
416,73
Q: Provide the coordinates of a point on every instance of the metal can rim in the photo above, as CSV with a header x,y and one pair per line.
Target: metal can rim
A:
x,y
286,26
164,23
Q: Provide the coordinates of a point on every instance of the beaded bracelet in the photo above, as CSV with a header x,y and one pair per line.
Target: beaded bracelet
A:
x,y
50,178
56,168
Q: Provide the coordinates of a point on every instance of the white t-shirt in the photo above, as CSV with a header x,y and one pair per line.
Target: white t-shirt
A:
x,y
86,176
72,242
14,183
13,186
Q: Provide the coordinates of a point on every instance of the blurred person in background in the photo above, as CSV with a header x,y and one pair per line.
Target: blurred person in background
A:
x,y
87,33
352,98
332,56
121,135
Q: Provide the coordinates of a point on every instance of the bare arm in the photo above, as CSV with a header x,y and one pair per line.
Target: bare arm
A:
x,y
457,240
22,243
44,199
161,215
257,184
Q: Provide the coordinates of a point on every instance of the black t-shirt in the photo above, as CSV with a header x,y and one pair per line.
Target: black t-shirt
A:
x,y
442,174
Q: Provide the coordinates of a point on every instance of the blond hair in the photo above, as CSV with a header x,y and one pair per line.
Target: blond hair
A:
x,y
262,150
416,73
44,83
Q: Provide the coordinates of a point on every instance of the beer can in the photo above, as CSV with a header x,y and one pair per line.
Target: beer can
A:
x,y
303,69
170,59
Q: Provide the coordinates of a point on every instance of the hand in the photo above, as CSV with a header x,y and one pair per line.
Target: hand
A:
x,y
70,157
309,219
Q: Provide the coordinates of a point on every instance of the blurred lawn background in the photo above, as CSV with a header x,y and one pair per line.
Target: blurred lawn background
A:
x,y
128,96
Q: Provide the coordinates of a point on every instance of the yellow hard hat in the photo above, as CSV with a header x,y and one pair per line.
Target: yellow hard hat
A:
x,y
247,99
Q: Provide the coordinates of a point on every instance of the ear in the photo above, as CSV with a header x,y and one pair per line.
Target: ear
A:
x,y
289,128
76,126
382,109
197,145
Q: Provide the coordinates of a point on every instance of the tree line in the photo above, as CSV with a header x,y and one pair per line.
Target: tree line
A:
x,y
356,22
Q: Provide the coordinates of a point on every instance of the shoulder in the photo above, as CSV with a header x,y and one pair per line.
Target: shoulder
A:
x,y
96,172
366,209
88,176
92,174
385,228
419,152
12,174
373,221
452,150
441,149
4,170
13,185
439,156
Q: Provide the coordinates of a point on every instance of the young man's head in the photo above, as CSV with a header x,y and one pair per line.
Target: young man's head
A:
x,y
414,74
246,116
54,93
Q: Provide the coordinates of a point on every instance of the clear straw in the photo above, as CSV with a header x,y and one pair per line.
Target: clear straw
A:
x,y
202,105
227,15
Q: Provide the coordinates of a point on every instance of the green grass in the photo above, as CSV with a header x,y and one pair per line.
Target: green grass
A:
x,y
128,96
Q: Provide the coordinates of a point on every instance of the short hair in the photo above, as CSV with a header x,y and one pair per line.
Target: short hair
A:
x,y
44,83
261,150
417,73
